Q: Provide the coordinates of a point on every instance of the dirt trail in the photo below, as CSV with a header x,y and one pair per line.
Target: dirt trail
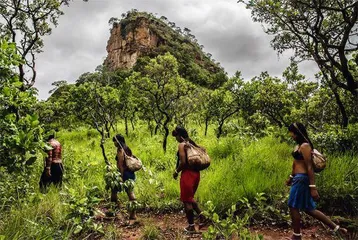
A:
x,y
170,226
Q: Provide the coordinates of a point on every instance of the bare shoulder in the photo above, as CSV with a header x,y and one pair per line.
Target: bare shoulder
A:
x,y
181,145
306,147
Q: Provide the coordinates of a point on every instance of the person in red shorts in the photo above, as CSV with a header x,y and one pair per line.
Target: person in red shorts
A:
x,y
189,180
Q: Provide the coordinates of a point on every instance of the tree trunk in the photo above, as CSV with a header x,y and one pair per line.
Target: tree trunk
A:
x,y
206,126
220,129
108,129
352,85
166,133
132,123
341,107
150,127
126,125
103,149
156,129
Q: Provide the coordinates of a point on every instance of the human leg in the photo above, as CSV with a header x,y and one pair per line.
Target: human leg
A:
x,y
296,223
132,210
188,184
196,207
202,218
45,181
114,197
57,174
326,220
189,212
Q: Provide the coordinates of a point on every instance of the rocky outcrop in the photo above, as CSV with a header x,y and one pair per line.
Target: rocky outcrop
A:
x,y
128,42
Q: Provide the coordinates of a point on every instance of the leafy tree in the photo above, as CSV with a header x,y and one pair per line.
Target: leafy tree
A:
x,y
128,103
204,107
57,85
162,90
26,23
302,89
97,106
273,99
224,103
55,112
324,31
20,130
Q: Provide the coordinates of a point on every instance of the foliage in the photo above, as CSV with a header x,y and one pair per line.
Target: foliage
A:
x,y
25,23
228,227
193,64
10,193
273,99
238,171
336,140
113,178
151,232
319,31
20,129
223,102
162,91
263,211
82,211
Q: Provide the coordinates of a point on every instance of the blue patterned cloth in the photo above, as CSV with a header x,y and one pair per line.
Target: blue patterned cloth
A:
x,y
300,195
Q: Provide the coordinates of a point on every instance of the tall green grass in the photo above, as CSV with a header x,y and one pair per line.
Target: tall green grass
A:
x,y
240,168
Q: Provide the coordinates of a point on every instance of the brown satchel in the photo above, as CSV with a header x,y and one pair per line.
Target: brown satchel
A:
x,y
132,162
197,157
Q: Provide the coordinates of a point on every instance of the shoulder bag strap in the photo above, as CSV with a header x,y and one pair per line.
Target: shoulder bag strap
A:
x,y
124,152
309,142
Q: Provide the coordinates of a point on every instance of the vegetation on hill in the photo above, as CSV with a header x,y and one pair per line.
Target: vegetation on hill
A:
x,y
195,65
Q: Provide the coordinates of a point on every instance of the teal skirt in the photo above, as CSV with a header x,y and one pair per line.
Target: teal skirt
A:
x,y
300,195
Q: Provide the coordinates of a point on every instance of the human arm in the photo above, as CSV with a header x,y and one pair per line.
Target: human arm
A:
x,y
306,151
290,178
182,160
48,163
120,161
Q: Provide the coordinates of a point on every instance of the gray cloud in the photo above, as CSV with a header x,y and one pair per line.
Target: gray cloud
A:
x,y
224,27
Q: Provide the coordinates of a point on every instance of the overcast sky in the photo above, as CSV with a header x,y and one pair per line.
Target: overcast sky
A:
x,y
224,27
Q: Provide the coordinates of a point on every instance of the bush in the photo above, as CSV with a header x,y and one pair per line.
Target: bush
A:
x,y
334,139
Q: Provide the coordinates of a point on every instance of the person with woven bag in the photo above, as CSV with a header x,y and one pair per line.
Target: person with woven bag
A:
x,y
189,180
303,190
122,151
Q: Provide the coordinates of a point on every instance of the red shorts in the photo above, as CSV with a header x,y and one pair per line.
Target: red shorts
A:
x,y
189,182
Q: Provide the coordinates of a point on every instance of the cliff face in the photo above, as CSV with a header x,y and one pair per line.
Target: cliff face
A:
x,y
141,34
128,42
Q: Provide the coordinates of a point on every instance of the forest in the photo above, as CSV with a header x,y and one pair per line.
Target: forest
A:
x,y
242,123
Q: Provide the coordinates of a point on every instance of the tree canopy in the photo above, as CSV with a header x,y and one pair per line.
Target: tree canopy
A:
x,y
323,31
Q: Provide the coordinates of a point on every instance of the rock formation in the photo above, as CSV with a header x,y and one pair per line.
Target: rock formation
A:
x,y
128,42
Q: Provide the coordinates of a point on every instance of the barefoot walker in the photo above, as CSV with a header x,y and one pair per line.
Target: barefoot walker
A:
x,y
302,181
126,173
189,179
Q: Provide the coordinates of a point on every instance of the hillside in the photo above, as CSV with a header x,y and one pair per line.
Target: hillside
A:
x,y
140,35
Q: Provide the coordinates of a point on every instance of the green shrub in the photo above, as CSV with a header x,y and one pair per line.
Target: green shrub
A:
x,y
334,139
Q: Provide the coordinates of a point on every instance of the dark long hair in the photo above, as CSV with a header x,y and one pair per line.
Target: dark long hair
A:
x,y
301,132
122,144
183,134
